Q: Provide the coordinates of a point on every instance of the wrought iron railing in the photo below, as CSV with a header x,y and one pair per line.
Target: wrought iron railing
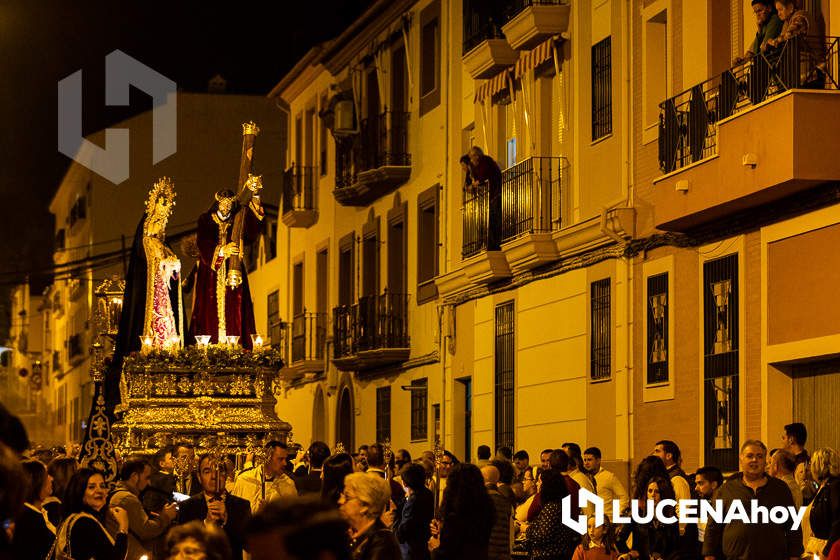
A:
x,y
379,321
516,6
532,196
483,19
382,141
309,334
688,121
475,221
298,188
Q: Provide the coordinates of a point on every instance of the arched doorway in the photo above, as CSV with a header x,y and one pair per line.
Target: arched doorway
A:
x,y
344,429
319,417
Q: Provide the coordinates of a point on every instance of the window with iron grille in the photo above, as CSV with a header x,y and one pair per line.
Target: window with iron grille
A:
x,y
504,374
420,409
274,324
600,350
383,414
657,328
601,89
721,361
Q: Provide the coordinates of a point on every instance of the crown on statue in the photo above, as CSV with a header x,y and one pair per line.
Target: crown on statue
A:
x,y
163,188
250,127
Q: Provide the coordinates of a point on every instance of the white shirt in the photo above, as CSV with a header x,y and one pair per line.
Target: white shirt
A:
x,y
254,487
610,488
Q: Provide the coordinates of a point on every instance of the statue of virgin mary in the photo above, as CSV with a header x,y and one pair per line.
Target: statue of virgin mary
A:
x,y
152,303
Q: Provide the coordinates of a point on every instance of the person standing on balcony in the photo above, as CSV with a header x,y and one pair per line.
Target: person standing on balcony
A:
x,y
795,23
769,27
487,175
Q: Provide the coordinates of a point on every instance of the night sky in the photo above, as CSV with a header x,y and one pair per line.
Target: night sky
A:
x,y
250,44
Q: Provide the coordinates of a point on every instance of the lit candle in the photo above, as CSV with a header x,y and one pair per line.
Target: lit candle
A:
x,y
146,344
257,340
233,340
202,340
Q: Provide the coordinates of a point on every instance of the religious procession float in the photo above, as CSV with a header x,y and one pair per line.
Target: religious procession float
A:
x,y
160,382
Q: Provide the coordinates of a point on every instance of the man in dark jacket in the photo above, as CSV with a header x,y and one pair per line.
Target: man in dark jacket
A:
x,y
412,527
310,482
757,541
163,481
769,27
488,177
215,505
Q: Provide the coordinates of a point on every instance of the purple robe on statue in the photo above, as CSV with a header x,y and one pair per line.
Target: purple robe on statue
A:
x,y
212,235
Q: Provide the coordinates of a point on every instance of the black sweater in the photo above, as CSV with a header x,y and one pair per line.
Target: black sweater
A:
x,y
32,537
88,540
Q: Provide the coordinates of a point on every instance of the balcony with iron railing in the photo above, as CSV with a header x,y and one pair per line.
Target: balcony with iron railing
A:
x,y
485,49
299,204
306,340
374,162
531,21
372,333
759,132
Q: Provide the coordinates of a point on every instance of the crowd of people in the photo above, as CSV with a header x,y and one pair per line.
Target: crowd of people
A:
x,y
377,505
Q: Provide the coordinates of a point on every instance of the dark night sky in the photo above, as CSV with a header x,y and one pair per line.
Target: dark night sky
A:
x,y
251,44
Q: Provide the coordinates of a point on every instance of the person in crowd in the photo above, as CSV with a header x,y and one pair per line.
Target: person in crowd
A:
x,y
521,463
706,482
268,481
12,496
310,483
544,455
213,505
363,452
412,528
83,534
483,455
794,438
794,23
505,482
298,529
376,465
769,27
648,468
162,483
467,515
671,456
34,533
547,536
576,468
529,487
61,469
487,176
196,541
447,461
598,543
782,465
759,541
607,485
362,503
185,468
504,453
336,469
653,538
557,461
143,530
401,458
825,509
500,536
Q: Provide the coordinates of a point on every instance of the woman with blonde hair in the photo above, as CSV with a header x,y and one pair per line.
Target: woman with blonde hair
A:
x,y
825,509
362,503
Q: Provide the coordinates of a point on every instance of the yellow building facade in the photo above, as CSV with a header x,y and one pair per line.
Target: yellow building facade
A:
x,y
500,345
735,197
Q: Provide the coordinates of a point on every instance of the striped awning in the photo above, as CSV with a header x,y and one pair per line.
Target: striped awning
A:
x,y
534,57
492,86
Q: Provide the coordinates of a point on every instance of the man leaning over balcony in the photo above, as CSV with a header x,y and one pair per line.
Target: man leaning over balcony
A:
x,y
769,27
486,171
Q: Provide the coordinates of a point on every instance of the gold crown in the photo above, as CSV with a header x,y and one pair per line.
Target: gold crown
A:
x,y
250,127
164,187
